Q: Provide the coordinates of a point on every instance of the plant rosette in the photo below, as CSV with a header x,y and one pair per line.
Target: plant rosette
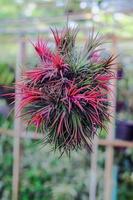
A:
x,y
66,95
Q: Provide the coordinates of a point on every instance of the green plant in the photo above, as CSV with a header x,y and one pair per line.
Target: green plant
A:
x,y
6,74
65,95
125,174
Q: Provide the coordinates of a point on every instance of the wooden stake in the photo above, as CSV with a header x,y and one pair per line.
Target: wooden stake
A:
x,y
18,125
93,175
101,142
108,182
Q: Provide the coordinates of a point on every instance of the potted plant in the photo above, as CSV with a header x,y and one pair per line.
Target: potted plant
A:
x,y
6,78
124,108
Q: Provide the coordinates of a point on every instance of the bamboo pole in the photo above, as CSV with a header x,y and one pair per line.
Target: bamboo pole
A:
x,y
100,142
18,125
93,174
108,182
115,143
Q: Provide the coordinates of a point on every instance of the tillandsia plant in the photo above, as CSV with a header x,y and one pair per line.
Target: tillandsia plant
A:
x,y
65,95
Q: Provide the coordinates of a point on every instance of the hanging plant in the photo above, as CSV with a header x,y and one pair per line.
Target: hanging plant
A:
x,y
65,95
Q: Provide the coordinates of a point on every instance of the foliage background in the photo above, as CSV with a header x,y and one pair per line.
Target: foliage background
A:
x,y
43,175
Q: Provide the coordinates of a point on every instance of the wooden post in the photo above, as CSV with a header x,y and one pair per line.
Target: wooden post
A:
x,y
108,181
93,175
18,124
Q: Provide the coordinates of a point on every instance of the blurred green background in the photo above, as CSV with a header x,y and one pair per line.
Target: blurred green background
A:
x,y
43,175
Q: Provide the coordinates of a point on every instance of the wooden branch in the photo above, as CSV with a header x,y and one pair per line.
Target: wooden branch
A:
x,y
59,18
55,19
115,143
45,30
101,142
93,171
108,181
18,125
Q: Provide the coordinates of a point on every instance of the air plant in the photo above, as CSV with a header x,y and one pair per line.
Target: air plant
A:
x,y
66,95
